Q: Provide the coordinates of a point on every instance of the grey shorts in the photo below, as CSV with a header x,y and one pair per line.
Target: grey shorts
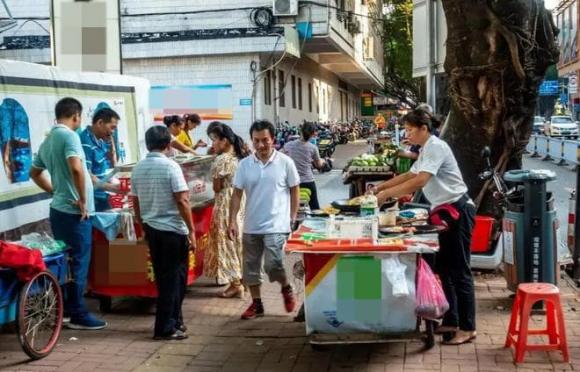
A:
x,y
263,253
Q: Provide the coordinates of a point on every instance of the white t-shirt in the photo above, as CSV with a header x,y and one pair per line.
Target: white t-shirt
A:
x,y
446,186
267,188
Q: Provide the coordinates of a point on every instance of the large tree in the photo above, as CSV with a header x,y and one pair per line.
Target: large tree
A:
x,y
397,35
497,54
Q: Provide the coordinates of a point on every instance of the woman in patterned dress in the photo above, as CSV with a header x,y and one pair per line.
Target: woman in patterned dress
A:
x,y
223,258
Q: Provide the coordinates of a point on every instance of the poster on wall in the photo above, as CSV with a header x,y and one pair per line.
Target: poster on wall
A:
x,y
28,94
212,102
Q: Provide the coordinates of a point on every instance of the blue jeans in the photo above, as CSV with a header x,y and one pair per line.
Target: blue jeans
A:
x,y
77,235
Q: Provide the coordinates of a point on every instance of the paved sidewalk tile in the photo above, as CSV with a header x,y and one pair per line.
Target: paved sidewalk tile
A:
x,y
220,341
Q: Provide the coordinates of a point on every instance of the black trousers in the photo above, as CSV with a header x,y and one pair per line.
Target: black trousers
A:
x,y
454,268
169,254
313,194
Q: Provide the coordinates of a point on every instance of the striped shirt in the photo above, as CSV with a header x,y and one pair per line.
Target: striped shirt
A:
x,y
97,155
154,181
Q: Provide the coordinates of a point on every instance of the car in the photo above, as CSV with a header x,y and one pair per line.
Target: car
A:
x,y
538,127
561,126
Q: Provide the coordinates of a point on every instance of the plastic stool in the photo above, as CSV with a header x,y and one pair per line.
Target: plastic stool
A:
x,y
526,296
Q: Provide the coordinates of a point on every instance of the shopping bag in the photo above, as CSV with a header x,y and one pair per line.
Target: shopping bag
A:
x,y
431,301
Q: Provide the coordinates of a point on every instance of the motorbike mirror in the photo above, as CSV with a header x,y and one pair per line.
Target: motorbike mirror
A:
x,y
486,152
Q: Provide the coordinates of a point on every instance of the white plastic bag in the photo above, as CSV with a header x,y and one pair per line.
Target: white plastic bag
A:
x,y
395,271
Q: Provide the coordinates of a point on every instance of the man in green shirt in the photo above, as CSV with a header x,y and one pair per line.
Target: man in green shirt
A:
x,y
62,156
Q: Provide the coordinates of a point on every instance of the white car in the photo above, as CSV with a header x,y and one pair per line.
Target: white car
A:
x,y
538,127
561,126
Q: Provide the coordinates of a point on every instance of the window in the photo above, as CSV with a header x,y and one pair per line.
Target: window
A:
x,y
268,88
323,101
317,99
299,93
293,91
309,97
281,95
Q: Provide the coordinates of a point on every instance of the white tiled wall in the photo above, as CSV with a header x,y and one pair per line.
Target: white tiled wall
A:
x,y
231,69
235,70
23,9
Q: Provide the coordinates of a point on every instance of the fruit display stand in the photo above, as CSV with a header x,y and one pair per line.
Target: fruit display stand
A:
x,y
359,176
349,297
122,267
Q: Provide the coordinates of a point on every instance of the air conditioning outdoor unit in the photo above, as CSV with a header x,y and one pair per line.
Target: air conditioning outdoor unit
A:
x,y
283,8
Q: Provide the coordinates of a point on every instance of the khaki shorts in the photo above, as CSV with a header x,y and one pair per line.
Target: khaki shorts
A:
x,y
263,253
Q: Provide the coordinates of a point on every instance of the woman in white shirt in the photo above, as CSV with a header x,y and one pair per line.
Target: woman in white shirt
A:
x,y
436,172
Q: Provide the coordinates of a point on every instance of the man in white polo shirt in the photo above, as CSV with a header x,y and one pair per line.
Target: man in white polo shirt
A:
x,y
271,183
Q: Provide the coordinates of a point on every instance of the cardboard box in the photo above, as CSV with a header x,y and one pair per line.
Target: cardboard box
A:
x,y
120,263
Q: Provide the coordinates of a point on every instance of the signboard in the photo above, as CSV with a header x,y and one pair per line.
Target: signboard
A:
x,y
245,102
292,40
86,35
367,108
572,84
549,88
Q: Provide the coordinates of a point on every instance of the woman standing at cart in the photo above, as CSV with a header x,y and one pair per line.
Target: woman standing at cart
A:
x,y
437,173
223,259
175,124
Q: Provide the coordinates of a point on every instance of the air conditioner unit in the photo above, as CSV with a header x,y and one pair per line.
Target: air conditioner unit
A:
x,y
283,8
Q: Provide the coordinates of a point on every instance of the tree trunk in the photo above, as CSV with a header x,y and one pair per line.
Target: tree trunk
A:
x,y
497,55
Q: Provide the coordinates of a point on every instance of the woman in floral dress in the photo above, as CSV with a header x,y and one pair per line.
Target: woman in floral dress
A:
x,y
223,258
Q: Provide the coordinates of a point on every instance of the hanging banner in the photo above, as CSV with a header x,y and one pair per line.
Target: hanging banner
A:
x,y
28,94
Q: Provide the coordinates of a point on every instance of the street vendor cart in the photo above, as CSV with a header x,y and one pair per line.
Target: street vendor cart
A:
x,y
383,165
120,264
351,295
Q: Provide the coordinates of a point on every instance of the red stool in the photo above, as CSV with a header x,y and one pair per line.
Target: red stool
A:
x,y
527,295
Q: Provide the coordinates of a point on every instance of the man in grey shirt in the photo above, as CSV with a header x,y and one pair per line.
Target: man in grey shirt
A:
x,y
161,202
305,155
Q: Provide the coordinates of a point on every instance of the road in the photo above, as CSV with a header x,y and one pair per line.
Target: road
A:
x,y
331,187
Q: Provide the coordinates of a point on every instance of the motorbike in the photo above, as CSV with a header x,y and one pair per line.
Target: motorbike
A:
x,y
326,144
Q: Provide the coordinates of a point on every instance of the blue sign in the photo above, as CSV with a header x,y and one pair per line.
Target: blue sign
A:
x,y
549,88
245,102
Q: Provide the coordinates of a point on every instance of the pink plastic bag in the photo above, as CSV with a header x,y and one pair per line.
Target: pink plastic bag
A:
x,y
431,301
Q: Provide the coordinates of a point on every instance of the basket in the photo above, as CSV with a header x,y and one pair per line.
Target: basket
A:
x,y
57,265
481,234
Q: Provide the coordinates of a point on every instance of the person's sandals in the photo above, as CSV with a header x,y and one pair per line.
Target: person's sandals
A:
x,y
461,337
233,291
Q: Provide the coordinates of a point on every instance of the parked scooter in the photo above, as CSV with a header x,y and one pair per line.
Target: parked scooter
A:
x,y
326,144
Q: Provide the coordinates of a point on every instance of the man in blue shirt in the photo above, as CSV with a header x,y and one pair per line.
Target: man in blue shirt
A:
x,y
100,155
62,156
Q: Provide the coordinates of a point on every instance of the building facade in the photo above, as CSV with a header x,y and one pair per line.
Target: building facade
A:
x,y
566,16
247,50
429,36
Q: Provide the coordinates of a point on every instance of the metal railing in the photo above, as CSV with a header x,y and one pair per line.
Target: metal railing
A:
x,y
556,149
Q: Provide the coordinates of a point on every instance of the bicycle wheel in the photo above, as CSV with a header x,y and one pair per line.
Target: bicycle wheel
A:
x,y
40,310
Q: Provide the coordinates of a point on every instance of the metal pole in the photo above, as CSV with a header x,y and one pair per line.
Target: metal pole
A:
x,y
576,255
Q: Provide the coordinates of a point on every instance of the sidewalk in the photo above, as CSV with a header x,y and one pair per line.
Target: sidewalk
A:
x,y
220,341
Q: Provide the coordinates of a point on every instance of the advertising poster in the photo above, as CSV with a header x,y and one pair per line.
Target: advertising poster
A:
x,y
28,94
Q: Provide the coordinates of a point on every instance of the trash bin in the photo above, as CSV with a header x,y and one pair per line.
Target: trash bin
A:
x,y
530,229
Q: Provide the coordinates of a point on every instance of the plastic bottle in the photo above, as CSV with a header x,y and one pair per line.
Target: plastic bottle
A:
x,y
122,153
369,206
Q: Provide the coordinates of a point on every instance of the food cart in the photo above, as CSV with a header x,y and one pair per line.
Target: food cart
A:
x,y
350,293
382,165
121,265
